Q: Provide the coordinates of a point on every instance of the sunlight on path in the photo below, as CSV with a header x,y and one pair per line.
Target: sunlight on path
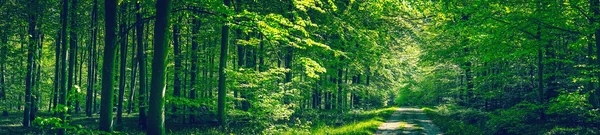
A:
x,y
410,121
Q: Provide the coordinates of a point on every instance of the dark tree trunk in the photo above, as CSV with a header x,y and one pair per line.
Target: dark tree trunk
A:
x,y
157,91
63,63
540,72
222,66
123,61
72,51
30,64
91,71
133,74
176,79
106,109
194,68
3,50
139,29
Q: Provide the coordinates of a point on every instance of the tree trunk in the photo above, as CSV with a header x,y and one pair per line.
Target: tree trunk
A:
x,y
91,71
57,72
108,65
176,80
72,52
30,64
157,91
63,63
222,65
540,72
3,51
339,86
123,61
133,74
192,95
139,29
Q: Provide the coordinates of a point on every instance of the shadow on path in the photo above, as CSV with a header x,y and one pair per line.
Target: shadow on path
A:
x,y
411,121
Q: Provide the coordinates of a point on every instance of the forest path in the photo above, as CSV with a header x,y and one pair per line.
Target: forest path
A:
x,y
411,121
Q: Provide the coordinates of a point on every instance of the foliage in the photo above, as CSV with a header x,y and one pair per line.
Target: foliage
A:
x,y
363,122
453,123
571,108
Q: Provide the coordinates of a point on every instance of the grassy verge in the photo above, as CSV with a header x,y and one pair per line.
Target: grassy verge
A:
x,y
363,122
451,126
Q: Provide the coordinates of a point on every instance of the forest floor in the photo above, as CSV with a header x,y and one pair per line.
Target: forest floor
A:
x,y
411,121
352,122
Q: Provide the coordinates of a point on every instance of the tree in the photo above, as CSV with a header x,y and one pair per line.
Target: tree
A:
x,y
3,50
29,74
158,83
222,64
194,68
177,52
72,52
90,88
63,72
122,75
106,105
139,29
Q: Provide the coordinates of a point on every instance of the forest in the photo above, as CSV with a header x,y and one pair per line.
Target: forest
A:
x,y
348,67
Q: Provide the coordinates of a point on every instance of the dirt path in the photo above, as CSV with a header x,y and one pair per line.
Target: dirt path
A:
x,y
411,121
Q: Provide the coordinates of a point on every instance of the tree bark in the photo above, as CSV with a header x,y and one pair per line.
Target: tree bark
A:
x,y
222,65
177,53
106,105
3,50
30,64
123,61
157,91
63,69
72,52
194,68
139,29
91,71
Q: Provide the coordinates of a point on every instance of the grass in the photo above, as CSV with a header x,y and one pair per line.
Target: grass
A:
x,y
451,126
365,122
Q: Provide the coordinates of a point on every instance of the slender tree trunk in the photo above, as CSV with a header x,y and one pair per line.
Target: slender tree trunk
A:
x,y
63,63
72,49
30,64
222,65
108,65
158,82
261,60
3,50
123,61
90,92
339,86
57,72
139,29
540,73
194,67
176,79
133,74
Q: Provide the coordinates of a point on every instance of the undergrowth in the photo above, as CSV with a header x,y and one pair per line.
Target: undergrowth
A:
x,y
354,123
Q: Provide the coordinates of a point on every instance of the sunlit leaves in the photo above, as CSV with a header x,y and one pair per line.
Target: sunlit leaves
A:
x,y
311,67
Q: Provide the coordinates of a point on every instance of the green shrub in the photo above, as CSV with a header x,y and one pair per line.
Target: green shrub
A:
x,y
449,119
572,131
570,107
513,120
